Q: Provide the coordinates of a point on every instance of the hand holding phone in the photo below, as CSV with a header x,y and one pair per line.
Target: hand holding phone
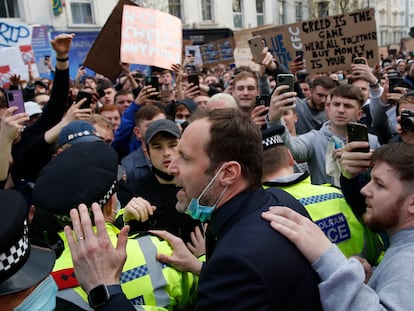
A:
x,y
286,79
193,79
153,81
88,102
357,132
15,99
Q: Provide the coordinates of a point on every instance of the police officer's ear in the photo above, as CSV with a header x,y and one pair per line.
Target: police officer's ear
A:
x,y
231,173
109,209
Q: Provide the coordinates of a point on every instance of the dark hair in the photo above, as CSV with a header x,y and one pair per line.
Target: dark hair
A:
x,y
234,137
275,159
147,112
121,92
400,157
323,81
350,92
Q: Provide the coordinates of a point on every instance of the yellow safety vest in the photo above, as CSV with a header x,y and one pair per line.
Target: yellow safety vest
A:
x,y
328,209
147,283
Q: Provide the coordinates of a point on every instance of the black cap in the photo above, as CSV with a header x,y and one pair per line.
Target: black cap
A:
x,y
162,125
21,265
84,173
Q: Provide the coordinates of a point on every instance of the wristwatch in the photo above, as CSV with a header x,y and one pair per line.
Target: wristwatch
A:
x,y
100,295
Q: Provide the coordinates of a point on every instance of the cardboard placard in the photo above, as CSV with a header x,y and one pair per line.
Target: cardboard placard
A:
x,y
217,52
104,55
329,43
150,37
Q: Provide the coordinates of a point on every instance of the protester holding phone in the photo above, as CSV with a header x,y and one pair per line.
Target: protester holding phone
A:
x,y
312,147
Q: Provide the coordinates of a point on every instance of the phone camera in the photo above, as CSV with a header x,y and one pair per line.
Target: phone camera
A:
x,y
407,120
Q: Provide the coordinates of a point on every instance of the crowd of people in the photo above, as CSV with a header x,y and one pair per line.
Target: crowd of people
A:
x,y
161,192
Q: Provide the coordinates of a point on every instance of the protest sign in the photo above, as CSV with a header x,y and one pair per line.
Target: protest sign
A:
x,y
150,37
217,52
10,64
329,43
104,55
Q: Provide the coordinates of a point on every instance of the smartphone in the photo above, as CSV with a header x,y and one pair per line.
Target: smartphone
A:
x,y
395,82
286,79
256,47
88,96
359,60
153,81
193,79
299,53
263,100
15,99
357,132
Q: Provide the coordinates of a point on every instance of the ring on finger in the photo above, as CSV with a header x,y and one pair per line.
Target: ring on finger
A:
x,y
80,238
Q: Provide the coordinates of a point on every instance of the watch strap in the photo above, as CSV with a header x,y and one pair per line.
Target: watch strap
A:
x,y
375,85
110,291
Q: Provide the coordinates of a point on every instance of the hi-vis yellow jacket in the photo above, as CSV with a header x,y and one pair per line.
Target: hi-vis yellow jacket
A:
x,y
328,209
147,283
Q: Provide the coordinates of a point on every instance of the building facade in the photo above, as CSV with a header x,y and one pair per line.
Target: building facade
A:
x,y
394,17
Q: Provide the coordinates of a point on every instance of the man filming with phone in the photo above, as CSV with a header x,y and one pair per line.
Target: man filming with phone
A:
x,y
320,148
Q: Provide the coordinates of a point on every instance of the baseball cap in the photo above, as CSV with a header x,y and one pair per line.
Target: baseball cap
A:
x,y
77,131
163,125
22,265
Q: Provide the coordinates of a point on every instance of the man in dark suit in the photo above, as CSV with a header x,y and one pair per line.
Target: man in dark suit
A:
x,y
248,266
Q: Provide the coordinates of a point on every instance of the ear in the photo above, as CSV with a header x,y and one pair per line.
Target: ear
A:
x,y
360,113
410,203
291,159
137,133
110,207
232,173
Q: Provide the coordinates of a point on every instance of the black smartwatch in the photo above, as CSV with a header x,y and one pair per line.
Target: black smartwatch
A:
x,y
100,295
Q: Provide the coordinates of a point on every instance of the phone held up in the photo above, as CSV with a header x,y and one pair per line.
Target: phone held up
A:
x,y
286,79
153,81
15,99
88,102
359,60
256,47
193,78
357,132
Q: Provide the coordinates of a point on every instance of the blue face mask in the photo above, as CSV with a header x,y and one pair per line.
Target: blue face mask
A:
x,y
340,76
42,298
204,212
180,121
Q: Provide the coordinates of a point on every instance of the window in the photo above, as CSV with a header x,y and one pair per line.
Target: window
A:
x,y
299,11
82,12
237,14
207,10
174,7
323,8
260,12
282,12
9,9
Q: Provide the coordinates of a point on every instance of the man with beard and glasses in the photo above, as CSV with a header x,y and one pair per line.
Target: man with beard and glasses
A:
x,y
390,207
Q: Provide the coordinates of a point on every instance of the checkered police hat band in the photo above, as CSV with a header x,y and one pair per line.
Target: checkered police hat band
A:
x,y
79,134
272,141
16,253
